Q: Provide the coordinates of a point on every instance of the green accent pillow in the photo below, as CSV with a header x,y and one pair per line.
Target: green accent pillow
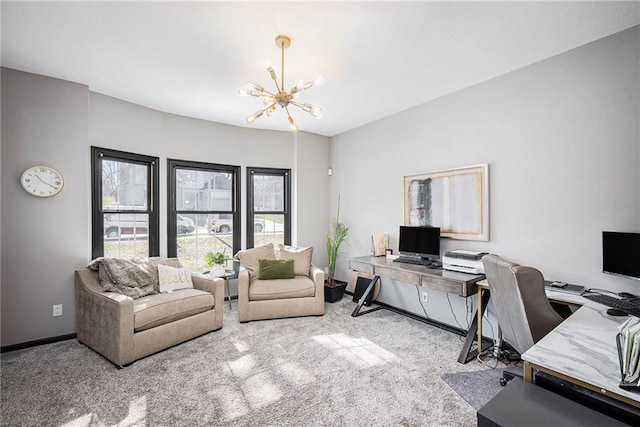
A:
x,y
275,269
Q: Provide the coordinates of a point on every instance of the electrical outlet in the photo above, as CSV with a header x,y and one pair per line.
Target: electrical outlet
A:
x,y
57,310
425,296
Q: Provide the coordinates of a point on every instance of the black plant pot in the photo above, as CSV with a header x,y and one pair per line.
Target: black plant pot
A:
x,y
334,293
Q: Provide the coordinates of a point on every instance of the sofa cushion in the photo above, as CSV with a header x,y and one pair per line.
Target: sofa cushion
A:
x,y
298,287
159,309
271,269
172,279
250,258
301,259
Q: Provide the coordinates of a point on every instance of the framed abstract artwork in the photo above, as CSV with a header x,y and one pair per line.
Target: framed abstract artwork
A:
x,y
456,200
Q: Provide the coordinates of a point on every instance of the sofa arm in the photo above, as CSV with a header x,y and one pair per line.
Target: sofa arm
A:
x,y
214,286
104,320
317,275
209,284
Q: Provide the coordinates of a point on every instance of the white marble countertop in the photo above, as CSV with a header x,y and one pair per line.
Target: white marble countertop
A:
x,y
584,347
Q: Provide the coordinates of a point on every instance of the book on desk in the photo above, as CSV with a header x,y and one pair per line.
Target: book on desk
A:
x,y
628,343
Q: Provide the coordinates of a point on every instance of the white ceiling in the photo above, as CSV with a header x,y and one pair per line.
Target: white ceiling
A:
x,y
377,58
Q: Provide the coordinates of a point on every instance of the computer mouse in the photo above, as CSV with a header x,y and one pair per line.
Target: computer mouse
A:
x,y
615,312
626,295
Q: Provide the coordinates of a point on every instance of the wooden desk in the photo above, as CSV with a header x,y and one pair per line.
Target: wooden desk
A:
x,y
462,284
582,350
454,282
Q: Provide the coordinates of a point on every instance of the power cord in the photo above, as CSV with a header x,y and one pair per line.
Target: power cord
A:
x,y
504,356
420,301
468,302
454,315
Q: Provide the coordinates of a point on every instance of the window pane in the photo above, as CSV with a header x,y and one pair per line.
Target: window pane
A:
x,y
125,235
203,190
268,193
193,246
268,228
124,186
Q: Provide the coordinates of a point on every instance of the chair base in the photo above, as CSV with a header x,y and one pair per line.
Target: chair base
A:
x,y
508,375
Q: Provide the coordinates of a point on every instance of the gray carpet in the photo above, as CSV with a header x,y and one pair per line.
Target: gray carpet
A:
x,y
476,388
378,369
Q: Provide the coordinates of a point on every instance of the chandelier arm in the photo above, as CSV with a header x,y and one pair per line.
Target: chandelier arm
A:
x,y
302,107
266,108
266,94
292,123
275,80
297,104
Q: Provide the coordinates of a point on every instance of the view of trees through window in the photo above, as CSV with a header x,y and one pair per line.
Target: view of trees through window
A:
x,y
121,198
203,211
124,187
269,215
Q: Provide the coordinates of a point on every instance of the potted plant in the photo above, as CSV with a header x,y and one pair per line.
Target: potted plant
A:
x,y
334,289
216,261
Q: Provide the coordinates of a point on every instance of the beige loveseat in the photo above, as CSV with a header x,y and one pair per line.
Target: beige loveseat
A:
x,y
302,295
124,329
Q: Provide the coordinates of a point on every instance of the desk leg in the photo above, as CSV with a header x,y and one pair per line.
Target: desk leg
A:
x,y
466,354
363,298
528,372
479,312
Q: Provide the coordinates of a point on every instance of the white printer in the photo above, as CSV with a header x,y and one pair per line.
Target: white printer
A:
x,y
463,261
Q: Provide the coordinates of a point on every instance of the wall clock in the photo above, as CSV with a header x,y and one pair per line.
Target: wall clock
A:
x,y
41,181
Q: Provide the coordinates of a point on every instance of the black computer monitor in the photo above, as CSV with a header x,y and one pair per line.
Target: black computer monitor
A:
x,y
621,254
423,242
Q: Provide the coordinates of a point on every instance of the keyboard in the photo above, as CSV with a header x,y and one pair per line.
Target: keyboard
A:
x,y
408,260
617,303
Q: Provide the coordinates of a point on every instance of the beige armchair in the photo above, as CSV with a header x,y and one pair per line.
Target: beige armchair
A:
x,y
302,295
123,329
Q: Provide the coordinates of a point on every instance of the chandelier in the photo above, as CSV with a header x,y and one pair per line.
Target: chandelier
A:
x,y
281,98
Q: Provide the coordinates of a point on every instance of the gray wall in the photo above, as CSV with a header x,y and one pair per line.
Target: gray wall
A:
x,y
561,139
44,121
54,122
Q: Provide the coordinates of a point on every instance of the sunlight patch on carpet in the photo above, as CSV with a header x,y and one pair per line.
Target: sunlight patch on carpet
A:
x,y
137,416
361,352
243,366
294,373
260,391
241,346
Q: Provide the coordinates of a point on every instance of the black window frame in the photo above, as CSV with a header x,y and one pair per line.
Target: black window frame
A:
x,y
286,174
172,212
97,212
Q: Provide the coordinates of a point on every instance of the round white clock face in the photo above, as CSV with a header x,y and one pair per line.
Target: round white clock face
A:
x,y
41,181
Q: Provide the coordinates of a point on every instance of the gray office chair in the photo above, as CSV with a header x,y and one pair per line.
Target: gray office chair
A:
x,y
520,304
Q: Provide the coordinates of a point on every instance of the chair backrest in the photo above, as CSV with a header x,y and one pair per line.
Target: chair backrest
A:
x,y
519,302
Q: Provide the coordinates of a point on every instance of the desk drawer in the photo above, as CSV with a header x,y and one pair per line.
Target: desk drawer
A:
x,y
400,275
360,266
441,284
